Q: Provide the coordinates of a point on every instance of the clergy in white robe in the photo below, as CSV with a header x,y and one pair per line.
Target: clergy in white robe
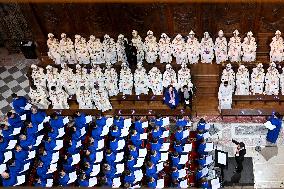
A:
x,y
82,53
120,49
84,98
257,80
235,47
111,80
225,96
82,77
96,76
184,77
179,49
125,80
38,96
38,76
95,49
242,81
58,98
53,49
52,77
276,48
67,50
109,47
150,48
192,48
221,48
169,77
155,81
228,74
137,42
141,81
165,50
249,48
206,49
282,81
68,79
272,80
105,104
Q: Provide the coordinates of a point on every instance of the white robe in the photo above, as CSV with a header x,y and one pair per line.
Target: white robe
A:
x,y
96,76
169,78
193,50
272,82
207,50
67,51
95,49
101,100
82,53
137,42
39,78
111,80
54,50
282,82
53,78
221,48
109,47
257,81
82,78
84,99
249,50
126,81
184,78
179,51
68,81
165,50
235,49
120,50
242,83
155,81
59,99
225,97
151,49
229,75
276,50
39,97
141,81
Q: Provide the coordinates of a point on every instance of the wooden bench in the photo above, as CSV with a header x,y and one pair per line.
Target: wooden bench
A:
x,y
264,98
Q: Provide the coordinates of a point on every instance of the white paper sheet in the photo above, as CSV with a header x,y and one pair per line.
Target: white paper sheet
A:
x,y
269,125
139,162
209,147
145,124
52,168
124,132
165,134
127,122
46,119
76,159
222,158
28,106
3,168
119,168
40,127
59,145
138,174
185,134
83,131
183,184
160,183
99,157
38,140
116,183
207,126
209,160
188,124
165,147
79,143
105,130
142,152
61,132
7,156
143,136
95,171
89,119
20,180
109,121
166,121
183,159
160,167
187,148
119,157
206,135
164,157
31,154
204,171
72,177
16,131
121,144
215,183
26,167
181,173
55,157
93,181
49,183
11,144
23,117
101,144
65,120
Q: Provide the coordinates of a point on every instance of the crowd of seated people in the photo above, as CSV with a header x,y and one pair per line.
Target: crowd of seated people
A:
x,y
80,150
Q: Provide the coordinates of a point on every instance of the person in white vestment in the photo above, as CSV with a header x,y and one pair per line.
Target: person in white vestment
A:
x,y
150,48
38,76
38,96
120,49
95,49
52,77
225,96
165,50
53,49
169,77
221,48
111,80
257,79
67,50
192,48
179,49
100,98
84,98
96,76
137,42
235,47
141,81
58,98
277,48
125,80
109,47
155,81
184,77
272,80
81,49
249,48
82,77
68,80
282,81
228,74
206,49
242,81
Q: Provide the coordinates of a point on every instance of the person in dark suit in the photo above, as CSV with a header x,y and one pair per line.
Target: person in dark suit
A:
x,y
239,155
186,97
131,54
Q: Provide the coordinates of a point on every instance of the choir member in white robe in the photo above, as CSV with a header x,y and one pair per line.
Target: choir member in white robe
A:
x,y
58,98
221,48
249,48
276,48
192,48
38,76
105,104
84,98
109,47
96,76
38,96
82,77
111,80
179,49
242,81
169,77
141,81
165,50
228,74
125,80
67,50
206,49
53,49
282,81
68,79
184,77
225,96
52,77
82,54
120,49
137,42
95,49
155,81
257,80
151,48
272,80
235,47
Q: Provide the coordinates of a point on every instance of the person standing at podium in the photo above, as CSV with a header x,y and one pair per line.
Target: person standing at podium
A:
x,y
239,155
